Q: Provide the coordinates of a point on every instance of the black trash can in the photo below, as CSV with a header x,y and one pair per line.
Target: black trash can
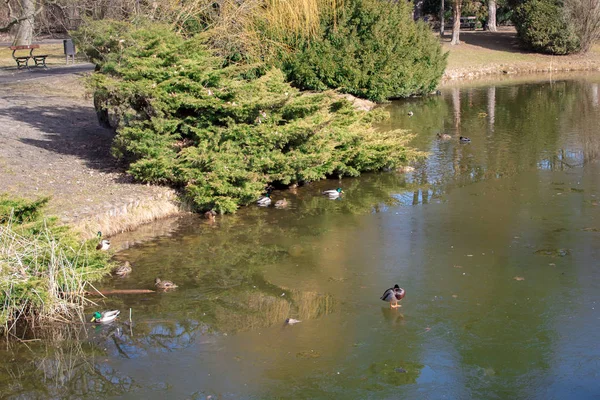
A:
x,y
69,49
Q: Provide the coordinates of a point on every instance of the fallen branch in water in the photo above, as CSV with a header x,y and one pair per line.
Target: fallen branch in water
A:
x,y
118,291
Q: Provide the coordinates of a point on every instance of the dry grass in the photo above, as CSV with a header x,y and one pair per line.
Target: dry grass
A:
x,y
42,278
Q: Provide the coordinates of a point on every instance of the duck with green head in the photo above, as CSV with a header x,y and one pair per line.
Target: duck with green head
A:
x,y
104,244
334,193
105,316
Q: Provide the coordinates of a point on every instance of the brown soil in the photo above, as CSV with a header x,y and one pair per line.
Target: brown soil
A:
x,y
52,145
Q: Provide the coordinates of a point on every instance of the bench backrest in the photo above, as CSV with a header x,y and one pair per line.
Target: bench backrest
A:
x,y
25,47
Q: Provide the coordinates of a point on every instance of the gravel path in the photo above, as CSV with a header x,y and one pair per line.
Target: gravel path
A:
x,y
51,145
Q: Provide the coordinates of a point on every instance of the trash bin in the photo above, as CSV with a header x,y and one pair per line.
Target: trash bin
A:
x,y
69,49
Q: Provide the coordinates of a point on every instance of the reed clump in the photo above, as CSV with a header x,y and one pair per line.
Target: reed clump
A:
x,y
44,268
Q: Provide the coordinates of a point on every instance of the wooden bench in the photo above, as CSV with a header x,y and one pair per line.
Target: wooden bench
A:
x,y
23,61
468,22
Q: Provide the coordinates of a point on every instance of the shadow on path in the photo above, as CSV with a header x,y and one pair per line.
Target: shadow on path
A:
x,y
12,75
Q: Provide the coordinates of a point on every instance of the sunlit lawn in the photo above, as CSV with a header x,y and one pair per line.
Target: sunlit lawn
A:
x,y
55,52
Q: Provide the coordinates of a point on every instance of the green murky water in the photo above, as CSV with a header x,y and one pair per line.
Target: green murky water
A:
x,y
496,242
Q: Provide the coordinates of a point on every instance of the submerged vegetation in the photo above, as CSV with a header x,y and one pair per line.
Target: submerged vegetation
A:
x,y
44,268
221,134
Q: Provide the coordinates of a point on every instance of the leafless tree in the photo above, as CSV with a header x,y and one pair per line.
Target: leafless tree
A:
x,y
584,16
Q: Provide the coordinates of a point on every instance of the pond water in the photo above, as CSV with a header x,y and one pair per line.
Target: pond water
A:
x,y
496,243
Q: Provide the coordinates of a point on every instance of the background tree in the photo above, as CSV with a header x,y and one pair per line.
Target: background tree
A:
x,y
456,11
491,23
21,14
584,16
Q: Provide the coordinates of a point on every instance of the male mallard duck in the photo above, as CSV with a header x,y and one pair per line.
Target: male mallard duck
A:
x,y
105,316
394,295
164,285
123,269
281,203
333,194
444,136
464,139
103,244
265,200
410,113
210,215
292,321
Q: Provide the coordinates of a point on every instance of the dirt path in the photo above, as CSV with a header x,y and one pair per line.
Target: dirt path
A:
x,y
52,145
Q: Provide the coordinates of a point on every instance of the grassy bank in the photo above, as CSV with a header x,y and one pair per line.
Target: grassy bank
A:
x,y
497,53
44,268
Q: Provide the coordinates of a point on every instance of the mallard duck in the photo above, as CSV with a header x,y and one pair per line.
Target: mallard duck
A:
x,y
464,139
164,285
334,193
123,269
210,215
104,244
265,200
292,321
410,113
283,203
444,136
393,296
105,317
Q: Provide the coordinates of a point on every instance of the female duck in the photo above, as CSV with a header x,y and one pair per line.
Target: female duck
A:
x,y
333,194
393,296
164,285
283,203
123,269
105,316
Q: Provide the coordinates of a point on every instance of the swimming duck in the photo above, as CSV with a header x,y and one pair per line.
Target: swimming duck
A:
x,y
265,200
281,203
105,317
164,285
394,295
444,136
410,114
210,215
464,139
123,270
334,193
292,321
104,244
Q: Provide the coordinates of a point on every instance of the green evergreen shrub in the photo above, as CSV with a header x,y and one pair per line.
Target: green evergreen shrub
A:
x,y
542,26
223,134
372,50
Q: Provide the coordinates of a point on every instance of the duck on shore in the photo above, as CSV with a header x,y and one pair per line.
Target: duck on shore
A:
x,y
104,244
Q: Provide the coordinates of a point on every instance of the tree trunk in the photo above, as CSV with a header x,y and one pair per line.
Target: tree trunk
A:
x,y
24,34
442,20
456,9
492,16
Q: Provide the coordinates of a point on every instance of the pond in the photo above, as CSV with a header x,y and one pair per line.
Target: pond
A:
x,y
496,243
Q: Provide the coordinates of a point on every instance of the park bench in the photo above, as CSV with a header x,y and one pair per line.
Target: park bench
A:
x,y
23,61
468,22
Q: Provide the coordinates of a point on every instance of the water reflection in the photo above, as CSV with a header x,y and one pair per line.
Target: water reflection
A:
x,y
520,200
